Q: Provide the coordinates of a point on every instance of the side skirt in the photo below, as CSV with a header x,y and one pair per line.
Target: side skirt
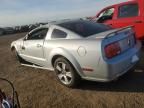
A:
x,y
37,67
29,64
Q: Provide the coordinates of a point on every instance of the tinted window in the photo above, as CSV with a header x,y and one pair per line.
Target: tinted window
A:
x,y
38,34
85,28
130,10
58,34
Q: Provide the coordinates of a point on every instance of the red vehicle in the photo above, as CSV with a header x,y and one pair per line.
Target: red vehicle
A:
x,y
124,14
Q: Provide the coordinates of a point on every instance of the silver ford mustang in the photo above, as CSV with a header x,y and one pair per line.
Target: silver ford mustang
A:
x,y
79,49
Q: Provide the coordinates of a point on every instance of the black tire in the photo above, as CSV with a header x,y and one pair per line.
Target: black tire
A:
x,y
69,73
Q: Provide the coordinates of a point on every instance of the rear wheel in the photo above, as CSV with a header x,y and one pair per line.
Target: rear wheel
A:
x,y
66,73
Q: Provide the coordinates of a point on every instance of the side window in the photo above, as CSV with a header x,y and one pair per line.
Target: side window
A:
x,y
130,10
107,12
106,15
58,34
38,34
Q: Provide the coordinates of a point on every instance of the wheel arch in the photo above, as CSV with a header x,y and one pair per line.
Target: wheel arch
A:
x,y
60,52
13,47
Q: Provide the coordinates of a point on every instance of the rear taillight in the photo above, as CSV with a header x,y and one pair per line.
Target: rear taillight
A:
x,y
112,50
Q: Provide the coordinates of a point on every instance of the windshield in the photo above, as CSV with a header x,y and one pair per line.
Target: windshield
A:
x,y
85,28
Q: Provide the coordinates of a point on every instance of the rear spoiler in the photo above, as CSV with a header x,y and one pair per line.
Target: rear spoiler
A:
x,y
119,30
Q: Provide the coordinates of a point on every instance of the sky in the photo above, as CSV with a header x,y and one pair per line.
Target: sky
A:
x,y
20,12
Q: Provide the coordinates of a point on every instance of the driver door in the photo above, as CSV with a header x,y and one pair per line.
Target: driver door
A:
x,y
32,49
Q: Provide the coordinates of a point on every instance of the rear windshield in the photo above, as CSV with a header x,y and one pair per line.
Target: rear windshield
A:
x,y
85,28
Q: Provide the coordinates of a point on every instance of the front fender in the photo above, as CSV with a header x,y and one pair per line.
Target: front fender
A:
x,y
63,52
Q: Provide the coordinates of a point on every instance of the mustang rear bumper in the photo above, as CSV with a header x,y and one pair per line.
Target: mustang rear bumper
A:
x,y
112,69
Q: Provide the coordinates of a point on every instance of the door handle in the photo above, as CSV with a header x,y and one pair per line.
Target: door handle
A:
x,y
38,45
138,21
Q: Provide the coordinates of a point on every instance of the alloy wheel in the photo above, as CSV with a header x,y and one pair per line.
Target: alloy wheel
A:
x,y
64,72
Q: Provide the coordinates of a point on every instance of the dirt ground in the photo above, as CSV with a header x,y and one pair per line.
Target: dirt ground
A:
x,y
40,89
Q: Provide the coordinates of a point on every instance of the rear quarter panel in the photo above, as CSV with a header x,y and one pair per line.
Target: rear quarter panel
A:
x,y
81,53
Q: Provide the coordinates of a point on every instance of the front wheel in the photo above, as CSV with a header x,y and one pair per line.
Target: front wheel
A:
x,y
66,73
